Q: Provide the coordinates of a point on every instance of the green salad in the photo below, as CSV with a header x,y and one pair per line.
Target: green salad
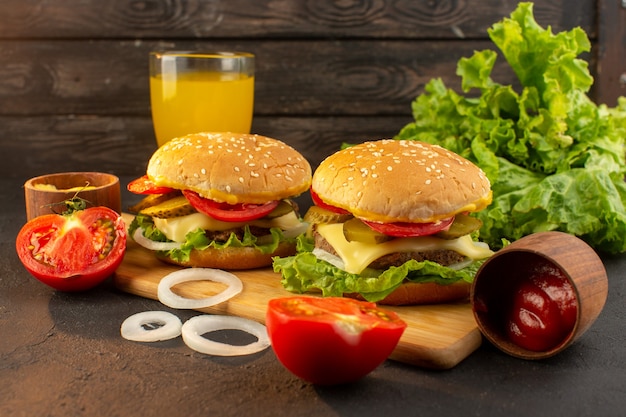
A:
x,y
555,159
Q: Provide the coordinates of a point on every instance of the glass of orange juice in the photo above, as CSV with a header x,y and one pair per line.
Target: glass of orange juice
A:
x,y
194,92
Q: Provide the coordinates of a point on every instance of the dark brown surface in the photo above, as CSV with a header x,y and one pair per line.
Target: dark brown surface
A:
x,y
62,355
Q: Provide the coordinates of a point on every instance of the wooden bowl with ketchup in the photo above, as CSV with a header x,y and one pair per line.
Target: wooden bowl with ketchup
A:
x,y
538,295
44,193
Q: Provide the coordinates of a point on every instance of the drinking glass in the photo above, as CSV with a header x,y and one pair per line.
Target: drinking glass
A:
x,y
192,91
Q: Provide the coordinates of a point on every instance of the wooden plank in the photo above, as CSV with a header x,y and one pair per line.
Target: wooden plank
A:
x,y
122,145
437,336
611,66
293,77
97,19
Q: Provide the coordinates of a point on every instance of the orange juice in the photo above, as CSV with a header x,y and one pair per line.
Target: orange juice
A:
x,y
201,101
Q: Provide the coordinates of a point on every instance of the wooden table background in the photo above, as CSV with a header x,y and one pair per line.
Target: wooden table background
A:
x,y
74,74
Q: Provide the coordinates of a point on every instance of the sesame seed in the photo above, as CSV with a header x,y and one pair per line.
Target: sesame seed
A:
x,y
427,182
241,180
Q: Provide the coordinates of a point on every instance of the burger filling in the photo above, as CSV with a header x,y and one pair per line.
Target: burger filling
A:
x,y
337,257
444,257
199,231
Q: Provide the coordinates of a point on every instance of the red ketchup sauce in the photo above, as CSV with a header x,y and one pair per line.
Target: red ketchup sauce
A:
x,y
543,310
530,300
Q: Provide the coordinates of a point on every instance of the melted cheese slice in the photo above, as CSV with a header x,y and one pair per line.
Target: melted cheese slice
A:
x,y
177,228
356,256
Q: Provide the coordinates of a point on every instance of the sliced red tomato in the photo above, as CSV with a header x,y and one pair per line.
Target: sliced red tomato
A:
x,y
144,185
332,340
242,212
318,202
401,229
73,252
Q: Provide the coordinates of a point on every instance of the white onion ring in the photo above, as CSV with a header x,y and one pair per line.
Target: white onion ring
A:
x,y
195,327
167,297
151,244
133,328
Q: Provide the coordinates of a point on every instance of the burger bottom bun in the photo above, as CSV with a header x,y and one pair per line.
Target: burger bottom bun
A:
x,y
232,258
411,293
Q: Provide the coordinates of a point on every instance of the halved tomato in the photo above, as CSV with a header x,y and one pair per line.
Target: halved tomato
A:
x,y
318,202
242,212
401,229
144,185
73,252
332,340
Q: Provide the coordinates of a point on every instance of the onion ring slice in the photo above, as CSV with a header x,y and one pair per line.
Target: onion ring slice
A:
x,y
195,327
167,297
151,244
135,327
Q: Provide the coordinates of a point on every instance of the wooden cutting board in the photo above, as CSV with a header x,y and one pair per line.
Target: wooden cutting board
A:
x,y
437,336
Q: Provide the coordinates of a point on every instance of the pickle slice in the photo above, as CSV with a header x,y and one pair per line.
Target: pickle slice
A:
x,y
462,225
356,231
283,207
317,215
174,207
151,200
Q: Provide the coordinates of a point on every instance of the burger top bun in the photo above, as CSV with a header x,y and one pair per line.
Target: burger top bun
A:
x,y
401,181
231,167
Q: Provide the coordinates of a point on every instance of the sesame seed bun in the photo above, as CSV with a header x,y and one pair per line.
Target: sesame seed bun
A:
x,y
412,293
231,167
401,181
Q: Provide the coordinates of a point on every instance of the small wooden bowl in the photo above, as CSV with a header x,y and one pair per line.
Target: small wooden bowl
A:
x,y
43,193
493,287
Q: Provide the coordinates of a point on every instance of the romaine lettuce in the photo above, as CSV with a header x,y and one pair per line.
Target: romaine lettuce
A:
x,y
198,239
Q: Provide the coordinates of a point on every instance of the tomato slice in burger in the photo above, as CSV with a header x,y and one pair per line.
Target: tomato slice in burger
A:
x,y
402,229
73,252
242,212
144,185
318,202
331,340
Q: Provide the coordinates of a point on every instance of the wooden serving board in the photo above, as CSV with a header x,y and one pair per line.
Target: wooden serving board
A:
x,y
437,336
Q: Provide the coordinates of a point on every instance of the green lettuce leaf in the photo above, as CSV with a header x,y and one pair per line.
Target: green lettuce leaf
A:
x,y
198,239
304,272
554,158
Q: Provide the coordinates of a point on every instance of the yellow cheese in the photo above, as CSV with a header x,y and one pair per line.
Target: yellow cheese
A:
x,y
356,256
177,228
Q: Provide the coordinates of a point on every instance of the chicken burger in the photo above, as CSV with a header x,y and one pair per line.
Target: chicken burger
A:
x,y
221,200
392,224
